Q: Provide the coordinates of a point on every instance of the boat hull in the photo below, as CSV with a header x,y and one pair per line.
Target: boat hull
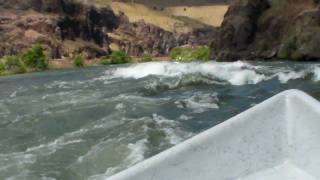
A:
x,y
276,140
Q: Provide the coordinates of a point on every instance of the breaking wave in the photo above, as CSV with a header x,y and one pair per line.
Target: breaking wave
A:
x,y
236,73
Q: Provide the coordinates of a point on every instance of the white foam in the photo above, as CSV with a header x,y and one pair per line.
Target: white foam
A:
x,y
237,73
284,77
199,102
137,151
316,73
171,128
129,146
53,146
136,154
14,94
185,117
153,68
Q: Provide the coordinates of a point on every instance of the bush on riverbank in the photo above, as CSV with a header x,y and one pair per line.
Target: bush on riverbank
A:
x,y
78,61
2,67
120,57
189,54
35,58
12,65
145,58
105,60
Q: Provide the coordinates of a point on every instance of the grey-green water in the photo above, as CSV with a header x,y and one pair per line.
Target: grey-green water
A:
x,y
91,123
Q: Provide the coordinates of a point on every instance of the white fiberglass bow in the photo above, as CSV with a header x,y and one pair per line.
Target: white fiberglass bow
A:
x,y
278,139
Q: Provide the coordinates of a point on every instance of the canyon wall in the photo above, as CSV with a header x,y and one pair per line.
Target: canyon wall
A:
x,y
253,29
70,27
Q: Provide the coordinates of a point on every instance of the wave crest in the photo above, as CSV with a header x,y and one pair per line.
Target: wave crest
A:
x,y
235,73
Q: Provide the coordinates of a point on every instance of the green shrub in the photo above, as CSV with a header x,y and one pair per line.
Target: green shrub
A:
x,y
119,57
2,67
146,58
13,64
35,58
105,60
188,54
202,53
78,61
176,53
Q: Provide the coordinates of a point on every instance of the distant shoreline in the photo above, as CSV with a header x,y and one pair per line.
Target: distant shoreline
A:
x,y
68,63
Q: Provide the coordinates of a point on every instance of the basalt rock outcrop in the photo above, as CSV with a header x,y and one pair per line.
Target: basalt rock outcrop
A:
x,y
70,27
64,27
286,29
138,38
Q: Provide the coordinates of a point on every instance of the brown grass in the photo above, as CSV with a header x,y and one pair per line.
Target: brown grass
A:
x,y
195,16
136,12
211,15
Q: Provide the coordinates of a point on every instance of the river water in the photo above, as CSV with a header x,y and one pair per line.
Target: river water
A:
x,y
91,123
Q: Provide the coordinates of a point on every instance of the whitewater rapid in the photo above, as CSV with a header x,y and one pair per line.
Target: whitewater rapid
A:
x,y
237,73
92,123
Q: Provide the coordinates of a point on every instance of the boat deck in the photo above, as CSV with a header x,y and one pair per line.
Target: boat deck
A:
x,y
281,172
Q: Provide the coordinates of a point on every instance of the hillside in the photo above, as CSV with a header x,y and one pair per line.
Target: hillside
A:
x,y
98,27
179,16
171,3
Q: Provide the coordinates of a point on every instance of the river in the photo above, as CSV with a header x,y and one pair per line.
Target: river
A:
x,y
91,123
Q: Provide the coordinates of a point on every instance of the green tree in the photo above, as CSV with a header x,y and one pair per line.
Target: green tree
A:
x,y
105,60
35,58
188,53
120,57
146,58
2,67
78,61
13,64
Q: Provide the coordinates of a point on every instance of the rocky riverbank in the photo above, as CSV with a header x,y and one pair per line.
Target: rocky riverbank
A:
x,y
67,28
252,29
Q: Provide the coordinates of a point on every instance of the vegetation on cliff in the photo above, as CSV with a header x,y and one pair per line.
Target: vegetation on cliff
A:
x,y
78,61
35,58
12,65
119,57
189,53
145,58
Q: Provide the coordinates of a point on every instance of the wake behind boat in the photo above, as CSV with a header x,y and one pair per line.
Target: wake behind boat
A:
x,y
275,140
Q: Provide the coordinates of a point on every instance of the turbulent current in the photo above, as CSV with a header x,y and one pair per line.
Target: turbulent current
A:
x,y
94,122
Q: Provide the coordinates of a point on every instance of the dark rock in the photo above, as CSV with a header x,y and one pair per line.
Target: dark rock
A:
x,y
54,23
91,52
239,28
266,29
302,41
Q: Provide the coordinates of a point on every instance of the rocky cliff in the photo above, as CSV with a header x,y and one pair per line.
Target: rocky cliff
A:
x,y
65,27
139,38
70,27
286,29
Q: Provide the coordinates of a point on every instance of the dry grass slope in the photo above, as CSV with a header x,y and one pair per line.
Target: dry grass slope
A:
x,y
210,14
172,18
